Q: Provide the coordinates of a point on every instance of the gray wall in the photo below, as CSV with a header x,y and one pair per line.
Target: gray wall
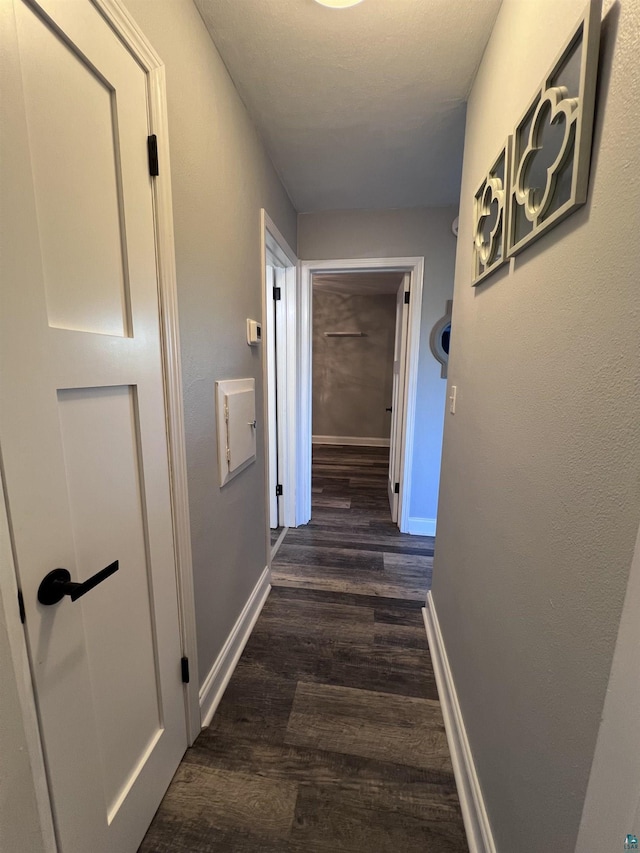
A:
x,y
353,377
613,794
221,177
540,488
401,233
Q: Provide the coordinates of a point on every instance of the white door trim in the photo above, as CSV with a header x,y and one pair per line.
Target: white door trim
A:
x,y
137,43
414,266
132,37
9,611
275,249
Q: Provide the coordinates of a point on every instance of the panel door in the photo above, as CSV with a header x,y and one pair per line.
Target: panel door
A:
x,y
397,411
281,383
82,424
276,388
272,396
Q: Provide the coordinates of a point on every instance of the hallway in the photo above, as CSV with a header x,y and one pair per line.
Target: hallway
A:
x,y
329,736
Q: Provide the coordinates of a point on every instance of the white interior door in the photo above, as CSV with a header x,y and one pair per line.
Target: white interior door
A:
x,y
277,387
399,383
281,383
272,397
82,426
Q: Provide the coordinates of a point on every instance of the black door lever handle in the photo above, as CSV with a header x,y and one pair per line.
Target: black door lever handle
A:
x,y
389,409
58,583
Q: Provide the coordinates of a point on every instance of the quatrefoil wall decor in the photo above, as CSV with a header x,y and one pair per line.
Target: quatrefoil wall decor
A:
x,y
489,219
558,111
551,148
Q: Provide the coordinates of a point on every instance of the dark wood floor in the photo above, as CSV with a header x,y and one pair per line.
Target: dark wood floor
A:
x,y
330,735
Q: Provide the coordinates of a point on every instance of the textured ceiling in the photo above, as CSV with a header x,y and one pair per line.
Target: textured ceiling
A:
x,y
361,107
359,283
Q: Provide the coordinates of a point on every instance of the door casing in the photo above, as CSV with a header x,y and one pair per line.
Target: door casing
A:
x,y
415,268
128,31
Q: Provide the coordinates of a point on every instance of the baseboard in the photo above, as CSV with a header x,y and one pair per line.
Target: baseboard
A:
x,y
474,813
216,681
421,526
358,441
276,546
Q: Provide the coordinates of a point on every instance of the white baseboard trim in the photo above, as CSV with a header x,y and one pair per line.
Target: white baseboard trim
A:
x,y
216,681
276,547
474,813
351,440
421,526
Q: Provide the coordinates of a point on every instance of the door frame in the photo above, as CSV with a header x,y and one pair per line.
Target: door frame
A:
x,y
415,267
120,20
275,248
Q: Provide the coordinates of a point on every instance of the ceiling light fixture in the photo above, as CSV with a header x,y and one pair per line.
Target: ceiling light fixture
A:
x,y
338,4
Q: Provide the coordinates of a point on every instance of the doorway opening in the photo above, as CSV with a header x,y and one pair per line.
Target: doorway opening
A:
x,y
385,354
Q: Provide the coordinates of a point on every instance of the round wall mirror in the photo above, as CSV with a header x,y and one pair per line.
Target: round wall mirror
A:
x,y
440,339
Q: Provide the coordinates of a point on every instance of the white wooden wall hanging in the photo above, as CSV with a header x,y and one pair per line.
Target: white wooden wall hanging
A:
x,y
489,217
552,141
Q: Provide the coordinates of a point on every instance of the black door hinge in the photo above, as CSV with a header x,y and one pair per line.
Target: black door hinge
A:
x,y
184,664
396,489
277,294
407,296
152,148
278,490
23,615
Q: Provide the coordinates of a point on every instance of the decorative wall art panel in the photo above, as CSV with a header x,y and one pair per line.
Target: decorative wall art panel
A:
x,y
489,218
552,141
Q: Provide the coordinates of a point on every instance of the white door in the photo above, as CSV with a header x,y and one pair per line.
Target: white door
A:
x,y
82,424
397,410
276,391
281,384
272,397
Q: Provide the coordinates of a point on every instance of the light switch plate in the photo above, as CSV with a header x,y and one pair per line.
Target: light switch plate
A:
x,y
453,393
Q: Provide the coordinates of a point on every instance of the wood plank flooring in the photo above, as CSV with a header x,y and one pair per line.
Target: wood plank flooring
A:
x,y
330,735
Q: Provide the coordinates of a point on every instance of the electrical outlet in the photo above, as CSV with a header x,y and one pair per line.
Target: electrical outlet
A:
x,y
452,399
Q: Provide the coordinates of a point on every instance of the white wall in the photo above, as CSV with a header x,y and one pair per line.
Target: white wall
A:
x,y
540,489
401,233
221,177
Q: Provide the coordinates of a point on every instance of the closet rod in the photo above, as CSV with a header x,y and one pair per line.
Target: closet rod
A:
x,y
345,334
